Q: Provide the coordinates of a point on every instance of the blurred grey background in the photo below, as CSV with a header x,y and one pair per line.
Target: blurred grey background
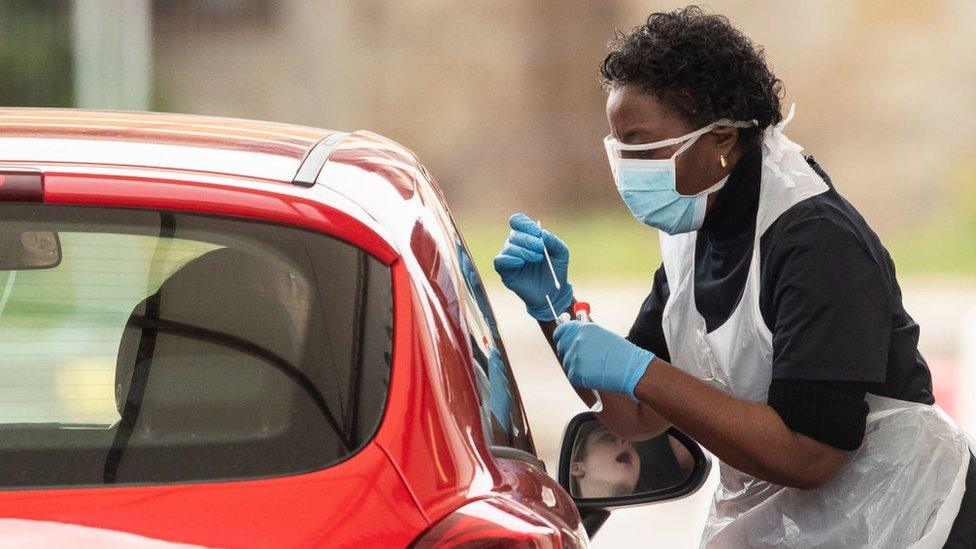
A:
x,y
501,100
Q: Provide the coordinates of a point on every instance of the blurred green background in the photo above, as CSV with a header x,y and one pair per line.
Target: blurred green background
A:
x,y
35,54
609,244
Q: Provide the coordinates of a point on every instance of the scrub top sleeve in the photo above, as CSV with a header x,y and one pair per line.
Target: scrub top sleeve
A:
x,y
832,412
828,307
647,332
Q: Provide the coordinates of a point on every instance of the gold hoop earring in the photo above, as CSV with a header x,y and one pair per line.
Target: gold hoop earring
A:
x,y
721,160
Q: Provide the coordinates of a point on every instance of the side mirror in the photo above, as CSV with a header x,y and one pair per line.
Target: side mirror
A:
x,y
603,472
23,250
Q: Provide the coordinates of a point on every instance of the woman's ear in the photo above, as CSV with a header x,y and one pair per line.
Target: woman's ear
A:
x,y
577,469
725,138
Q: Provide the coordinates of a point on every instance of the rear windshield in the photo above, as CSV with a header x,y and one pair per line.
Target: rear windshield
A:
x,y
153,347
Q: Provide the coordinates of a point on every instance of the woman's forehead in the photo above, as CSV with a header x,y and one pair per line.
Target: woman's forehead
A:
x,y
636,116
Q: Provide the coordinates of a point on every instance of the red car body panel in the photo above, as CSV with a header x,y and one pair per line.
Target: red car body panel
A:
x,y
429,456
282,512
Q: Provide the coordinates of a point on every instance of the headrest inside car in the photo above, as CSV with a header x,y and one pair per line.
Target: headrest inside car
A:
x,y
208,388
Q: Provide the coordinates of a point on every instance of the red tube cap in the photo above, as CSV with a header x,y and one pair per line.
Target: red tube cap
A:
x,y
581,306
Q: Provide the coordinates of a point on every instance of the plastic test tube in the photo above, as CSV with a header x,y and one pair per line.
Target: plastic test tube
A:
x,y
581,310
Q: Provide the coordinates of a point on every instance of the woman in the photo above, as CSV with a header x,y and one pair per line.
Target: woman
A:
x,y
774,332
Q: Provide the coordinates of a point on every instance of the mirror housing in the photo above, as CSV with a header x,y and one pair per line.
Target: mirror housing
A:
x,y
27,250
695,466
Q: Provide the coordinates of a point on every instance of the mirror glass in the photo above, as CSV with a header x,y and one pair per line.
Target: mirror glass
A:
x,y
21,250
603,465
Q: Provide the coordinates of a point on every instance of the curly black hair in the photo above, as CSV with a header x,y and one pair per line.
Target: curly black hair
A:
x,y
699,65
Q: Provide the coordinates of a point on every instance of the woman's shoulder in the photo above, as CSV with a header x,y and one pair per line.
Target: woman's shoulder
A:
x,y
826,222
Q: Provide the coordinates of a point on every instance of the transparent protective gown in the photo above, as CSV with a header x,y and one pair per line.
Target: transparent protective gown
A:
x,y
901,488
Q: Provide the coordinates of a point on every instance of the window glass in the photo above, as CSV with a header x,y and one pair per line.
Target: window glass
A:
x,y
168,347
501,404
503,418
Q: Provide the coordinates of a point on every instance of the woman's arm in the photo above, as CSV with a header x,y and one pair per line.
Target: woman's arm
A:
x,y
749,436
628,419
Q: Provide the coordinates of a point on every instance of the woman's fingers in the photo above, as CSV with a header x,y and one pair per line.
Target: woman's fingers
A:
x,y
522,223
504,262
525,240
528,234
565,336
557,248
514,250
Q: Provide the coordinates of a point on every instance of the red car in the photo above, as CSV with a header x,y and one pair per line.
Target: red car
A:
x,y
243,334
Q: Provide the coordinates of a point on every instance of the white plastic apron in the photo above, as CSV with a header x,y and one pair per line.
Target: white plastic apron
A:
x,y
901,488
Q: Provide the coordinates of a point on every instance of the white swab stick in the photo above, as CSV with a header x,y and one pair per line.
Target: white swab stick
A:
x,y
555,317
545,252
598,405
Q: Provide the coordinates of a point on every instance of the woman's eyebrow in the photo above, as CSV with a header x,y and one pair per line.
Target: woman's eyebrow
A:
x,y
639,136
633,133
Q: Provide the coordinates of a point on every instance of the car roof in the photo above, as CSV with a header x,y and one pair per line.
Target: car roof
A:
x,y
195,143
372,175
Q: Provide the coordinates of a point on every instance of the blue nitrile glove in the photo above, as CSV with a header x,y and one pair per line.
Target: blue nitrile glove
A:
x,y
596,358
524,270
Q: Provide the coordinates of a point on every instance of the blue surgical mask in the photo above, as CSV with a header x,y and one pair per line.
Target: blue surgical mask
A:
x,y
648,186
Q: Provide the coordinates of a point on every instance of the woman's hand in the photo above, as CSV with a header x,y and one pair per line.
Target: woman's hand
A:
x,y
596,358
628,419
524,270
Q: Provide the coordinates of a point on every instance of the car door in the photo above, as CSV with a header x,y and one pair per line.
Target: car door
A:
x,y
505,426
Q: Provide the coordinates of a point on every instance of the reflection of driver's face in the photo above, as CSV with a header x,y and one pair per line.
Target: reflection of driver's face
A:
x,y
39,246
610,465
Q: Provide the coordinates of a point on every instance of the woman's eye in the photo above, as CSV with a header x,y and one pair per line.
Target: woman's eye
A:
x,y
642,155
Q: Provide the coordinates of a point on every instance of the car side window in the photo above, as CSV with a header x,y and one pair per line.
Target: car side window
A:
x,y
503,416
501,405
169,347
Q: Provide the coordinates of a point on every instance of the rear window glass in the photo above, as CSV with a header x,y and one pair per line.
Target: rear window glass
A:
x,y
162,347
